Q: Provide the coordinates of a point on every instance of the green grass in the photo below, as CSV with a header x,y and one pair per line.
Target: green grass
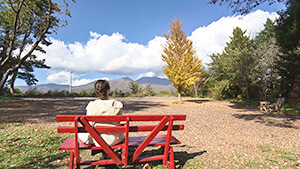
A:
x,y
30,146
290,111
4,98
264,148
195,164
279,157
254,164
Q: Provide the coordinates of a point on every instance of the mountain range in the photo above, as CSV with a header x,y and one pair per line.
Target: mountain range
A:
x,y
157,84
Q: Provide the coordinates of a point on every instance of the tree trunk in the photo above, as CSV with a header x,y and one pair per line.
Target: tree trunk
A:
x,y
12,83
179,95
196,86
247,89
3,80
247,93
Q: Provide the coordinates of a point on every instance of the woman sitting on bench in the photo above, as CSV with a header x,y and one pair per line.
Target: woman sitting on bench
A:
x,y
104,106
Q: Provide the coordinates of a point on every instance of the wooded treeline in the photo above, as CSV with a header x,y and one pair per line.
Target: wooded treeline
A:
x,y
263,68
259,68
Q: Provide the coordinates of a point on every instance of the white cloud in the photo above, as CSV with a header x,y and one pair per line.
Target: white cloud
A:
x,y
105,54
79,82
62,77
212,38
148,74
110,54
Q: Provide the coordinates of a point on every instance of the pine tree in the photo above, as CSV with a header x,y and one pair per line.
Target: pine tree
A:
x,y
267,53
234,67
183,66
240,48
288,37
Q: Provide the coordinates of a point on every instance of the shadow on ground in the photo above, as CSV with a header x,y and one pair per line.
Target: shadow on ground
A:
x,y
137,105
271,119
41,110
244,107
198,101
180,157
183,157
37,110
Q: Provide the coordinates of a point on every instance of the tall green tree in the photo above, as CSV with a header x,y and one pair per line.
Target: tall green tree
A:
x,y
288,38
24,26
267,53
183,65
223,77
234,67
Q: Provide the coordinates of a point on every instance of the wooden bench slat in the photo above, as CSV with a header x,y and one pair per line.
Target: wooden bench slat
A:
x,y
159,140
119,118
69,144
102,162
152,158
116,129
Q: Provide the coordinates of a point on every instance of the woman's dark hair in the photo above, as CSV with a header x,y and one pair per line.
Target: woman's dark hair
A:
x,y
101,87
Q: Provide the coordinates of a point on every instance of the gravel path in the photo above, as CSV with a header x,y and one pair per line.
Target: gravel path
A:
x,y
216,134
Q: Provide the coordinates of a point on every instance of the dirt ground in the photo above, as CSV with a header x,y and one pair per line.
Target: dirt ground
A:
x,y
217,134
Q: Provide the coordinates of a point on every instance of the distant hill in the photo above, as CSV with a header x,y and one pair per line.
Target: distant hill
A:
x,y
86,87
158,88
122,84
44,87
157,84
153,80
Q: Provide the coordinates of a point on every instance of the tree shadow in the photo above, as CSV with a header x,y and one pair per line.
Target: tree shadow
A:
x,y
180,157
183,156
198,101
244,106
43,110
271,119
137,105
38,110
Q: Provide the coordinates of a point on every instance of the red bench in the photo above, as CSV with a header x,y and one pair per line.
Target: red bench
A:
x,y
139,143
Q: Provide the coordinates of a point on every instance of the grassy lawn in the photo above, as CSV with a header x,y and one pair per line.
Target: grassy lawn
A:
x,y
30,146
4,98
36,146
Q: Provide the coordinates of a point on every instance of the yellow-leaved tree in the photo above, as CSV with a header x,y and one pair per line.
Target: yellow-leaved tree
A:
x,y
183,67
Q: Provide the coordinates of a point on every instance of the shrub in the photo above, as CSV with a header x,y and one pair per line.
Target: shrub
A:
x,y
32,92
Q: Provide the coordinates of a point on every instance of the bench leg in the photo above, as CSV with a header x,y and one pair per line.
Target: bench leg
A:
x,y
171,162
71,163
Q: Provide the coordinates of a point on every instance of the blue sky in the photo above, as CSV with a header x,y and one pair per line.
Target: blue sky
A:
x,y
117,38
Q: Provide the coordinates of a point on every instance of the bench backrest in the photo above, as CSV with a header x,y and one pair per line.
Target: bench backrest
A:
x,y
118,118
165,123
280,102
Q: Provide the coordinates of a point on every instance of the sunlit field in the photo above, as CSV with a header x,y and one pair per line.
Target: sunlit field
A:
x,y
216,135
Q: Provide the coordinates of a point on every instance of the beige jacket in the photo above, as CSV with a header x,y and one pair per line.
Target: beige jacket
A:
x,y
103,107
